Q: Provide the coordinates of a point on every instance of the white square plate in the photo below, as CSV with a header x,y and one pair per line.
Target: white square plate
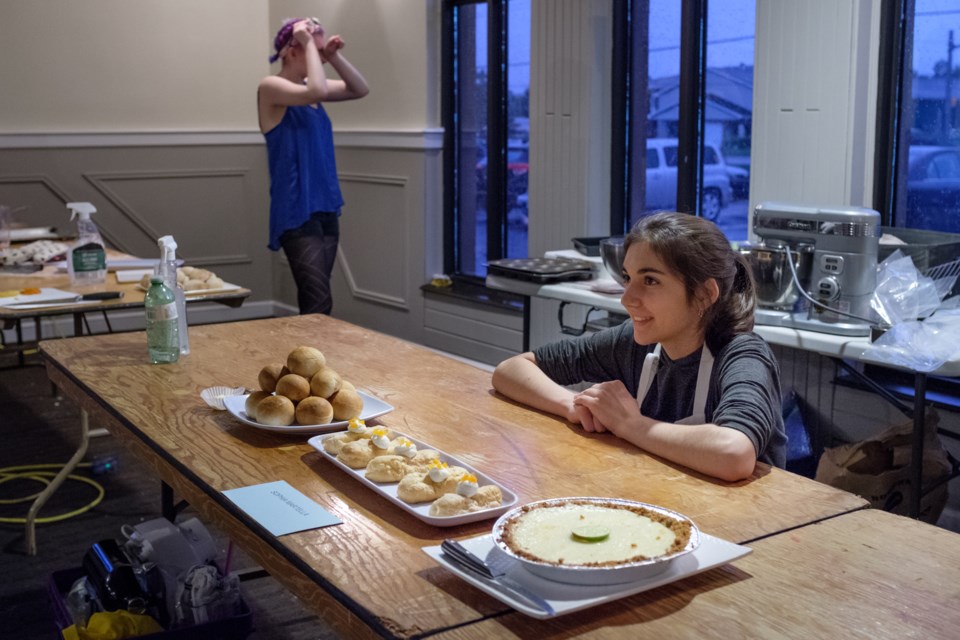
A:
x,y
567,598
422,511
372,407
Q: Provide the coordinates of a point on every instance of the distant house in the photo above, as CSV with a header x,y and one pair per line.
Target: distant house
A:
x,y
728,114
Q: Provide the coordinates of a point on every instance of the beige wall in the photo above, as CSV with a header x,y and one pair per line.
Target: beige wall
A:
x,y
193,65
121,65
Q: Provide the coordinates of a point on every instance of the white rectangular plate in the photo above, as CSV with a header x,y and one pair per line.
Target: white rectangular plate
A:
x,y
33,233
46,295
372,407
132,275
422,511
567,598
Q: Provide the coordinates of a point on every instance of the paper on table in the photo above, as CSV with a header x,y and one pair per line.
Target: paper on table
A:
x,y
281,509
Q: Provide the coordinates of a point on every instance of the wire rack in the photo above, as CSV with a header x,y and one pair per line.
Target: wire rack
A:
x,y
945,275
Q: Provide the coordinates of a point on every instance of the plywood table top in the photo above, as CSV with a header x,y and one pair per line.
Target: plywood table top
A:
x,y
372,563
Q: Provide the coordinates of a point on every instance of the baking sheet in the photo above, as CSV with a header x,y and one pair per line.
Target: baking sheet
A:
x,y
422,511
47,295
227,286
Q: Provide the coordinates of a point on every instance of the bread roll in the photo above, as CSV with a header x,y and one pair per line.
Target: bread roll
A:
x,y
346,404
200,274
268,377
213,282
192,285
305,361
325,382
276,411
293,386
250,406
314,410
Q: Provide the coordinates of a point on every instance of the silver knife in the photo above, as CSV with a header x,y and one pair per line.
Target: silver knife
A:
x,y
463,557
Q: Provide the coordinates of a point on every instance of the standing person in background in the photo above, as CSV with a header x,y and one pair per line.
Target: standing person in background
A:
x,y
305,197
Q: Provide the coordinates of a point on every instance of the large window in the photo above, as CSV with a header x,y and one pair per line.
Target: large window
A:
x,y
918,168
487,108
672,102
680,134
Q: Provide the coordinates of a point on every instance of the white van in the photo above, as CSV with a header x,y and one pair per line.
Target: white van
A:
x,y
662,177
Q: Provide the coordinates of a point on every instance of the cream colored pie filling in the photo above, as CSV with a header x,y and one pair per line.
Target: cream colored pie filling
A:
x,y
546,533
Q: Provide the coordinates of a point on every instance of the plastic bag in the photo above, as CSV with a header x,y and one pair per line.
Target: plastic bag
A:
x,y
920,346
902,293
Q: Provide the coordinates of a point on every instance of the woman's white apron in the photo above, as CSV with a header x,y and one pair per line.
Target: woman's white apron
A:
x,y
650,365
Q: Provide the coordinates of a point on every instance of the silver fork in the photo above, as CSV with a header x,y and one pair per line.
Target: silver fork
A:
x,y
495,573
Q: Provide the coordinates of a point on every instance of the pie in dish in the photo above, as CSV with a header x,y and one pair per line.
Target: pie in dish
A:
x,y
593,533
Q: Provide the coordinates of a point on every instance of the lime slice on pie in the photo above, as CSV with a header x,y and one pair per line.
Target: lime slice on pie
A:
x,y
590,533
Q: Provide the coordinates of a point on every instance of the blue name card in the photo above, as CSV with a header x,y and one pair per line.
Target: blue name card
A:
x,y
280,508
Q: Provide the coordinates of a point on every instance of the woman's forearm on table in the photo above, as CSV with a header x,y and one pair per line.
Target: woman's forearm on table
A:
x,y
520,379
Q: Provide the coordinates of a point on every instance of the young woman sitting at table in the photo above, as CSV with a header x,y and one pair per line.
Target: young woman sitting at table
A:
x,y
684,378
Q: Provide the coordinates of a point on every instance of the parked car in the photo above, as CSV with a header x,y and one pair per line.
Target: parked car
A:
x,y
518,168
662,177
933,188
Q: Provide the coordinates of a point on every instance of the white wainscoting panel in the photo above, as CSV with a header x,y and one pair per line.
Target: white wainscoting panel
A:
x,y
374,254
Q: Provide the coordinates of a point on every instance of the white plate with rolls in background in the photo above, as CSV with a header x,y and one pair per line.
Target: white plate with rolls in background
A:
x,y
372,408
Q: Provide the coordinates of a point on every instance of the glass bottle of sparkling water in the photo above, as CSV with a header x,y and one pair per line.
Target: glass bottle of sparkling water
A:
x,y
163,335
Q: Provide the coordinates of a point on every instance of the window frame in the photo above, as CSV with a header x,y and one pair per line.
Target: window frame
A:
x,y
891,152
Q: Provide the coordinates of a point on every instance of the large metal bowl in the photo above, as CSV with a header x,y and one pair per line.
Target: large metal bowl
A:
x,y
776,288
612,251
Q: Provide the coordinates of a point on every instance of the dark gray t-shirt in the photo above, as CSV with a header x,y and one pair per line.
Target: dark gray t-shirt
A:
x,y
744,385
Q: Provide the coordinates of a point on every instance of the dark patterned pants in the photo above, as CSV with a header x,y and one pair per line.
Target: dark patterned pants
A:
x,y
311,250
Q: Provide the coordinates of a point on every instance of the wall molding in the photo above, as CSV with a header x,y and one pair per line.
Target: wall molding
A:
x,y
423,139
100,181
344,262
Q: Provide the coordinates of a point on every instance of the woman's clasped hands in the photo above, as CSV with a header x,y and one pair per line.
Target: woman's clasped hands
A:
x,y
606,406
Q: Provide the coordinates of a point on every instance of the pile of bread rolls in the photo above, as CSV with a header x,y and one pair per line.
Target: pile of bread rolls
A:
x,y
304,391
191,279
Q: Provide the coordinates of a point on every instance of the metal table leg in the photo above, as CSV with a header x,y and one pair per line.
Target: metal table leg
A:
x,y
56,482
916,459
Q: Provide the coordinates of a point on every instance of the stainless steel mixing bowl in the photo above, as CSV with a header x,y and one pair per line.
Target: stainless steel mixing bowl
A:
x,y
611,251
771,272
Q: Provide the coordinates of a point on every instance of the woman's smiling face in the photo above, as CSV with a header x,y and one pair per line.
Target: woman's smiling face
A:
x,y
657,302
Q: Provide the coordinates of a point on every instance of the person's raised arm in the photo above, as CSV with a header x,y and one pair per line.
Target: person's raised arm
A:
x,y
352,85
283,92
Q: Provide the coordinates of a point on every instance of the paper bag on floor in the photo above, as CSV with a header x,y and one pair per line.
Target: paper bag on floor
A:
x,y
878,469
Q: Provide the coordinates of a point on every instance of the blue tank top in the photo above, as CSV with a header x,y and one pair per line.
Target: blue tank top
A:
x,y
303,170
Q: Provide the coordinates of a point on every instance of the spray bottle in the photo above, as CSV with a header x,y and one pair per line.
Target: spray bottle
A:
x,y
167,269
87,259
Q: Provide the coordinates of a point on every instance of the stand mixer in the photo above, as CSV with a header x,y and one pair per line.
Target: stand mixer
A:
x,y
841,276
